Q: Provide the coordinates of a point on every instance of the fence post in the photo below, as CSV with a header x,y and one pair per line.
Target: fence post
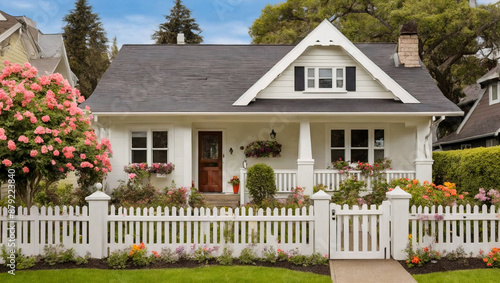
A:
x,y
400,211
321,222
98,224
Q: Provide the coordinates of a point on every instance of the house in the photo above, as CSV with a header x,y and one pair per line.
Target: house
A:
x,y
21,42
325,98
481,126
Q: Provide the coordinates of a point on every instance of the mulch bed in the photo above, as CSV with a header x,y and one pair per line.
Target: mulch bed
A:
x,y
446,265
102,264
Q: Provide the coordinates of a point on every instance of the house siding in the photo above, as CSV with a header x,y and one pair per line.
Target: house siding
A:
x,y
183,143
15,53
332,56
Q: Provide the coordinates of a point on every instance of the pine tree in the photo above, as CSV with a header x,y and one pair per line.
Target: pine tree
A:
x,y
179,21
113,50
86,45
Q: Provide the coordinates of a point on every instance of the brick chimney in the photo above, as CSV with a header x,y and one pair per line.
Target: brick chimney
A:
x,y
408,45
180,38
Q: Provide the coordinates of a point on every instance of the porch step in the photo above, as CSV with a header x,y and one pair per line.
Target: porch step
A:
x,y
221,200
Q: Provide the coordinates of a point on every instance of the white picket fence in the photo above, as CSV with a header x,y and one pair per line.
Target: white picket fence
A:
x,y
47,226
449,228
172,228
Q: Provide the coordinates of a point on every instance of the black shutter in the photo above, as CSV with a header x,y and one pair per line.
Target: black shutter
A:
x,y
299,79
350,77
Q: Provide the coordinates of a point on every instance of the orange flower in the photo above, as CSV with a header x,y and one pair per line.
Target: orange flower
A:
x,y
415,182
426,249
415,260
485,259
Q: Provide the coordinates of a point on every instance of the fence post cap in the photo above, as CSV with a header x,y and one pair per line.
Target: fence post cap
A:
x,y
398,193
320,195
98,195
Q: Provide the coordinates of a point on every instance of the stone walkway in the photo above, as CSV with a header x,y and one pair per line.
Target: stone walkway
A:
x,y
368,271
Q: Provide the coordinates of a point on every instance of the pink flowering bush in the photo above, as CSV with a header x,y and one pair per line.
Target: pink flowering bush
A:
x,y
44,134
490,197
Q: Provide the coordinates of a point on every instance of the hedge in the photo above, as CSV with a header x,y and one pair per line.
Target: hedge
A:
x,y
469,169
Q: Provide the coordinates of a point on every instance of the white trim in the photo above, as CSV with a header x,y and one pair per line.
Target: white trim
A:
x,y
470,111
409,114
10,31
346,127
325,35
490,91
149,138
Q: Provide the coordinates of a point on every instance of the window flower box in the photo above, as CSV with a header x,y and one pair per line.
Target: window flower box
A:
x,y
259,149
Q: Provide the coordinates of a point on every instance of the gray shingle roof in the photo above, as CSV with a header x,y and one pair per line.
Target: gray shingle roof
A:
x,y
210,78
10,22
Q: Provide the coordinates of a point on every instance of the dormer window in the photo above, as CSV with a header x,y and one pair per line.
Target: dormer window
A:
x,y
325,79
494,93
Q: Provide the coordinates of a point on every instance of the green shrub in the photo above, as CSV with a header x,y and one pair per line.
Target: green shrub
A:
x,y
248,256
261,182
226,258
22,261
469,169
196,199
348,192
168,256
128,195
118,259
269,255
57,254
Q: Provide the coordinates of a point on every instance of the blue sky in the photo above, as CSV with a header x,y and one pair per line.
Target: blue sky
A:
x,y
133,21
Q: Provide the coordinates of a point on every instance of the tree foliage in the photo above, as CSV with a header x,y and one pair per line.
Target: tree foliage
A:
x,y
450,32
43,133
114,50
178,21
261,182
86,45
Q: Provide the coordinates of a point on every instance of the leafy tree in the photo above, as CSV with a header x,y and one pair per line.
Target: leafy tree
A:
x,y
450,32
43,133
179,21
86,45
261,182
114,50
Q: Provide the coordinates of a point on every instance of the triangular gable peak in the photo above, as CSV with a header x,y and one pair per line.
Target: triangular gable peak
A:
x,y
326,35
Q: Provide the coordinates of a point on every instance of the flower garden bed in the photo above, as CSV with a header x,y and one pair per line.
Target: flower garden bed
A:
x,y
446,265
102,264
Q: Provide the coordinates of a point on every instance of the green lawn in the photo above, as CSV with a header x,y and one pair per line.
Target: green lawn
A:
x,y
201,274
466,276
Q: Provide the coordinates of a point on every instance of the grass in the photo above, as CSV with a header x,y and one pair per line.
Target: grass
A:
x,y
201,274
466,276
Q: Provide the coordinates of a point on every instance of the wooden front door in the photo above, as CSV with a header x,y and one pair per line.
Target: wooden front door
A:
x,y
210,162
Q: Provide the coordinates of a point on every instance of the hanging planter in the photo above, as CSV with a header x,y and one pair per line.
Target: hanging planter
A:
x,y
263,149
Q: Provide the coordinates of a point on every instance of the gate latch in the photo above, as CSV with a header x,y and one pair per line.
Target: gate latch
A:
x,y
333,214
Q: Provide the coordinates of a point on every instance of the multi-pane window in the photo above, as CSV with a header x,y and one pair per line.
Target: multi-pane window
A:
x,y
149,147
325,78
357,145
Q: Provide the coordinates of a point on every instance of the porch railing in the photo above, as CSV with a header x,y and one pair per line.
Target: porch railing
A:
x,y
331,179
286,180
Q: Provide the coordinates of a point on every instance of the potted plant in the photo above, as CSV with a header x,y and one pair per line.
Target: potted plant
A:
x,y
235,182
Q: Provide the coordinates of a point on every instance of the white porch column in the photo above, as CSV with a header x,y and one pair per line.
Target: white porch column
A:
x,y
183,154
423,150
305,162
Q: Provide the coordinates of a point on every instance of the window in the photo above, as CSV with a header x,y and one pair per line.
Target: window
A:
x,y
365,145
494,93
465,146
491,142
325,79
154,151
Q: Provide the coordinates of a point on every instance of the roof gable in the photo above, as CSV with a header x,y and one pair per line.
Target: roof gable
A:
x,y
326,35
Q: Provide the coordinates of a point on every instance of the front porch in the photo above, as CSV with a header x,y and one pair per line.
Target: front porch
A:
x,y
286,180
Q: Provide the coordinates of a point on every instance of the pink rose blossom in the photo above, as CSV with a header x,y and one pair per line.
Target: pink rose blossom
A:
x,y
34,153
33,120
46,118
39,130
26,169
11,145
58,140
18,116
56,152
83,156
7,162
38,139
132,175
23,139
44,149
53,162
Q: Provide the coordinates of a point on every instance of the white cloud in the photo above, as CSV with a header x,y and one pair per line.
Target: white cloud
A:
x,y
131,29
235,32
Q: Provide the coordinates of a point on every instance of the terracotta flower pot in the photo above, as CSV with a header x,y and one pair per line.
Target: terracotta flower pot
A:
x,y
236,188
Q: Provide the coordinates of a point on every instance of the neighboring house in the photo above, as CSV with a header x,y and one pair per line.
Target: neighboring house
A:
x,y
326,98
21,42
481,126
